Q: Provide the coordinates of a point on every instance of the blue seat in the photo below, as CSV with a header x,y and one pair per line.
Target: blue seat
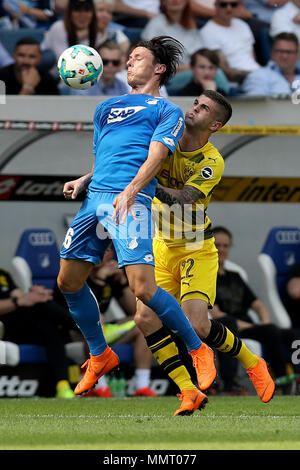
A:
x,y
9,37
133,34
37,259
280,252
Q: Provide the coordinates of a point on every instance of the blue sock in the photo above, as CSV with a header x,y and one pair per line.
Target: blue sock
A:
x,y
170,313
84,309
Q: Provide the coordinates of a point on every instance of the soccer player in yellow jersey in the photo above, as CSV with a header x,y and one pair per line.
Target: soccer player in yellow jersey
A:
x,y
186,259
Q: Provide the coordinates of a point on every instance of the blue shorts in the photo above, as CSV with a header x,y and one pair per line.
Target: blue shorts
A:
x,y
93,230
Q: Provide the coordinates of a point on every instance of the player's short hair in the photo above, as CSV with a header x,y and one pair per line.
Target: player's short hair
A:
x,y
212,56
166,50
286,37
224,109
27,41
221,229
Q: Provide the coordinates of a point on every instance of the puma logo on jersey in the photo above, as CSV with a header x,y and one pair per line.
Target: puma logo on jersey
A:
x,y
120,114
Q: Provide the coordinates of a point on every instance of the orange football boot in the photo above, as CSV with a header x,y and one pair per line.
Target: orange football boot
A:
x,y
204,363
96,366
191,400
262,380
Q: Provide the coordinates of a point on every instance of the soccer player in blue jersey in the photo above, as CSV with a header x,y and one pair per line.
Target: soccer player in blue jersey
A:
x,y
133,135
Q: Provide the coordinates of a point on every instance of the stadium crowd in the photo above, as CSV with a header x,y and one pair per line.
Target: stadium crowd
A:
x,y
253,44
239,48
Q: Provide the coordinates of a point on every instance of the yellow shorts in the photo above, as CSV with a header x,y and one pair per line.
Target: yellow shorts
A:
x,y
187,274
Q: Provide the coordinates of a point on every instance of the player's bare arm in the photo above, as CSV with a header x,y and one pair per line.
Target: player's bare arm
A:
x,y
186,195
71,189
157,154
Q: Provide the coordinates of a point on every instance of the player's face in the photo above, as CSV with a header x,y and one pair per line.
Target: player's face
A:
x,y
27,56
223,245
140,67
201,115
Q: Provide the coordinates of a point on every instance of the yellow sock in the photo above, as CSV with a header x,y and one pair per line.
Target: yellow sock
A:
x,y
61,384
225,341
165,352
247,358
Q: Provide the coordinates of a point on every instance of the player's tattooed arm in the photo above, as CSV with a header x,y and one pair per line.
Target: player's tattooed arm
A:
x,y
187,195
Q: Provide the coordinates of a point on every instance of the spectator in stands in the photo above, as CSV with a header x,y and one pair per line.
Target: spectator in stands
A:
x,y
264,9
31,14
233,39
23,77
204,65
109,84
104,14
286,19
5,57
177,20
33,318
134,14
78,26
203,10
233,300
277,77
206,8
292,298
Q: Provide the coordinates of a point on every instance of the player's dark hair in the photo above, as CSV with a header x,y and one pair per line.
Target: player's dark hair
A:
x,y
221,229
212,56
224,109
286,37
27,41
166,50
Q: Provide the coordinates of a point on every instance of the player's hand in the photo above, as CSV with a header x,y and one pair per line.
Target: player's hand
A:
x,y
71,189
123,203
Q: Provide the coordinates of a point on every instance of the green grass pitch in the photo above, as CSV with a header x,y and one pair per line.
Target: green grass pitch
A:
x,y
227,423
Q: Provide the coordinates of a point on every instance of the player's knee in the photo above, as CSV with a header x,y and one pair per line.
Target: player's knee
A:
x,y
141,290
201,325
68,284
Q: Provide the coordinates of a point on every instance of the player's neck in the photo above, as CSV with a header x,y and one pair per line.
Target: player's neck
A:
x,y
148,89
190,142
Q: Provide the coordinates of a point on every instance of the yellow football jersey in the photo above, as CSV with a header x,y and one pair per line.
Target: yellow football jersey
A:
x,y
203,169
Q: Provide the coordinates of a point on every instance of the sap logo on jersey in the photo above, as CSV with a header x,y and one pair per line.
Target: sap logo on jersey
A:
x,y
119,114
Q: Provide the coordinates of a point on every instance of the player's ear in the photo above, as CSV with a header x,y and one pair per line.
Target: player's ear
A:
x,y
160,68
215,126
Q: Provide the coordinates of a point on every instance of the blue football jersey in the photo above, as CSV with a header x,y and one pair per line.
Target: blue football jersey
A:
x,y
124,127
